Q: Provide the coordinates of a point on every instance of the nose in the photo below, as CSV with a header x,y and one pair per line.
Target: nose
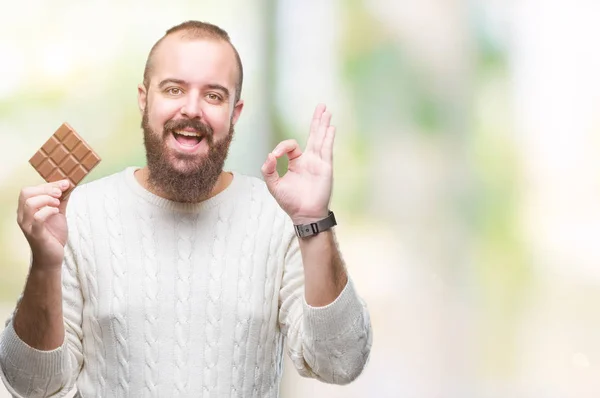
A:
x,y
191,108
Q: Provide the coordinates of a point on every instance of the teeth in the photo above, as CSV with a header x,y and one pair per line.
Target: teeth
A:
x,y
188,133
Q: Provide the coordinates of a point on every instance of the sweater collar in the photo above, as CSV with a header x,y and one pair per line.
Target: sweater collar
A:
x,y
227,194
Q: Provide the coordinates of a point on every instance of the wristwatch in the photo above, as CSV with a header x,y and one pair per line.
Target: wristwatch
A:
x,y
306,230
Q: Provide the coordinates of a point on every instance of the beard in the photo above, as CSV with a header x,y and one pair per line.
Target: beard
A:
x,y
193,182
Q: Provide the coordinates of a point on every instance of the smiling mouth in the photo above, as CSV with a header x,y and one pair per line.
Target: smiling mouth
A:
x,y
187,138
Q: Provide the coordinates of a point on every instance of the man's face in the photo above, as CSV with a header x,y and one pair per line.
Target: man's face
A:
x,y
188,115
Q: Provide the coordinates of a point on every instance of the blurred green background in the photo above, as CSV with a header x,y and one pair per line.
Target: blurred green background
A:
x,y
467,164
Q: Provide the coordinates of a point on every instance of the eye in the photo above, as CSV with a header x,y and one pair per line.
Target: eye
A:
x,y
174,91
213,97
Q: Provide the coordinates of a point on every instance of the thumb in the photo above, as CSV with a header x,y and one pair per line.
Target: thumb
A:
x,y
63,204
64,200
269,171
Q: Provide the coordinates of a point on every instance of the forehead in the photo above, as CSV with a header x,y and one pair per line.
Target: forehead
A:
x,y
197,61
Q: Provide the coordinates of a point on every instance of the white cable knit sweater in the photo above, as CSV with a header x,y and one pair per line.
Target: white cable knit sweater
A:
x,y
163,299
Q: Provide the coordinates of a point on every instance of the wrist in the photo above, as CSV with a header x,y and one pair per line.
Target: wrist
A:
x,y
45,266
309,219
306,229
45,274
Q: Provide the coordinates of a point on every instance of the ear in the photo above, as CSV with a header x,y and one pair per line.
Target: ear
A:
x,y
237,111
142,98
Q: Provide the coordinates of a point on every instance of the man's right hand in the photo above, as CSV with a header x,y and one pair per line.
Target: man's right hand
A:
x,y
41,216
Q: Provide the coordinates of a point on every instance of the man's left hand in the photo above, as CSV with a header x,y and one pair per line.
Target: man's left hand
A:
x,y
304,191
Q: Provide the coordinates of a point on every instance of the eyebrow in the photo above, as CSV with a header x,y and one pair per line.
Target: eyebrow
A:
x,y
172,81
180,82
219,87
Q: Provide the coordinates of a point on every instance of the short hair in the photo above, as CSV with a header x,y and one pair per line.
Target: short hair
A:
x,y
198,30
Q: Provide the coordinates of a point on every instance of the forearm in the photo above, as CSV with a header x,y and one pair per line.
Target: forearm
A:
x,y
324,271
332,343
39,318
334,320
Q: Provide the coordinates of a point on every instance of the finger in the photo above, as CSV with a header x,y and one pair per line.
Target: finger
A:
x,y
64,184
289,147
53,189
40,218
34,204
269,171
322,131
327,149
314,126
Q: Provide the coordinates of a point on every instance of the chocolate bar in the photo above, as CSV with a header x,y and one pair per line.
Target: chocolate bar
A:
x,y
65,156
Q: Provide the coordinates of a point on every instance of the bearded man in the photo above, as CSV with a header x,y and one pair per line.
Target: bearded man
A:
x,y
179,278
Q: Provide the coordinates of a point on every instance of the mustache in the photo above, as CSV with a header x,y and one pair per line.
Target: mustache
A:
x,y
205,131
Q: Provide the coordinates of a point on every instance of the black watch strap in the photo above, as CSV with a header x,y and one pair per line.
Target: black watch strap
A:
x,y
305,230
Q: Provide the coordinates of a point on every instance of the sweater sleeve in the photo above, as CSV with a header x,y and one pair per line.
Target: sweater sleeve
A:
x,y
28,372
330,343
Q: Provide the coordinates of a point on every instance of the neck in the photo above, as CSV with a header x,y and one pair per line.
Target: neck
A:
x,y
141,175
